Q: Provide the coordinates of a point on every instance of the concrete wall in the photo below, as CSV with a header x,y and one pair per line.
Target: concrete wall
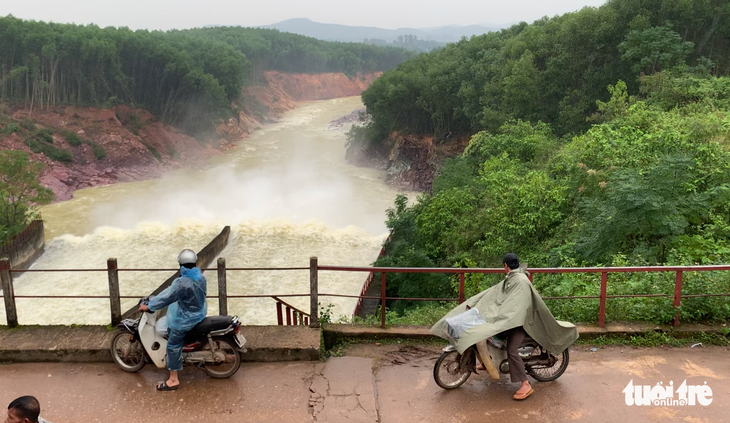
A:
x,y
205,258
26,246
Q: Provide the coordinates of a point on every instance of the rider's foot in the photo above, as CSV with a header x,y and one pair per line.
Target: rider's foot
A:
x,y
169,383
524,391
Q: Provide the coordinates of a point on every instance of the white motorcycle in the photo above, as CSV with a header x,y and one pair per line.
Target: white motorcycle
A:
x,y
214,344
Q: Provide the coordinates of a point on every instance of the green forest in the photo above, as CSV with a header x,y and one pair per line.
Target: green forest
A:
x,y
188,78
598,138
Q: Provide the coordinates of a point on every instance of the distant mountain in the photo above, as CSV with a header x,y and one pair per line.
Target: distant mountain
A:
x,y
335,32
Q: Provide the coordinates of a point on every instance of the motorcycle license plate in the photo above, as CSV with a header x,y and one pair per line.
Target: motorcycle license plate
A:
x,y
240,340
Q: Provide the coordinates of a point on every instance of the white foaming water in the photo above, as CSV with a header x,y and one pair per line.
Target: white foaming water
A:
x,y
286,192
150,245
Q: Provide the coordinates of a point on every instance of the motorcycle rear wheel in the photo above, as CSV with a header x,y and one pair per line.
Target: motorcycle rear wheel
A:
x,y
546,374
231,359
128,354
446,371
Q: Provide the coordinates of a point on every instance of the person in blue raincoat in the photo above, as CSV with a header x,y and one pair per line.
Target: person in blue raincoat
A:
x,y
186,307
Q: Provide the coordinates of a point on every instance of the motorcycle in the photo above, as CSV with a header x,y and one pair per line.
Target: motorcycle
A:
x,y
213,345
453,369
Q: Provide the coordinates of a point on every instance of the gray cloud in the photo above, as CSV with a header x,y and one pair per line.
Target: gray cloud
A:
x,y
169,14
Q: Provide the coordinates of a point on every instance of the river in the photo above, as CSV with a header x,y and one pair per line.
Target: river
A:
x,y
287,193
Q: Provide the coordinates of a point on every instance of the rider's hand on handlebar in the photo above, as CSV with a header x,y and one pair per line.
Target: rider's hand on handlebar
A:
x,y
143,307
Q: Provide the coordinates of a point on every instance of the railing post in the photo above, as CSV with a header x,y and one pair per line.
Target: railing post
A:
x,y
114,301
461,287
288,316
382,301
11,313
677,297
279,314
313,293
602,306
222,288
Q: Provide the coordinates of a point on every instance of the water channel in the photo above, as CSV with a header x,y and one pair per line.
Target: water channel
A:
x,y
287,193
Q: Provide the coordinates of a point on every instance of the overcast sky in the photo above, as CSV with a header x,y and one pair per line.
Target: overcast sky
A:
x,y
390,14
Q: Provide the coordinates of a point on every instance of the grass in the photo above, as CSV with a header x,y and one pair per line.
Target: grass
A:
x,y
657,339
343,345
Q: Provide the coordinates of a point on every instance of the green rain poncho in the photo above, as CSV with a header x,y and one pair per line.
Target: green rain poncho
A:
x,y
511,303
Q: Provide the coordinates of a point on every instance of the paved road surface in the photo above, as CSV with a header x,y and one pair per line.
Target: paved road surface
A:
x,y
386,384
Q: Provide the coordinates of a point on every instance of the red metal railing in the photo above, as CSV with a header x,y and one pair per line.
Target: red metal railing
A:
x,y
604,271
294,316
366,286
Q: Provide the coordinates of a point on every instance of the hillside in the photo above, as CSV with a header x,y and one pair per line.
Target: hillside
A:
x,y
345,33
595,138
190,79
88,146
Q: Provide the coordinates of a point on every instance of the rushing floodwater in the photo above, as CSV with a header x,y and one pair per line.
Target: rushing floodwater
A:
x,y
286,192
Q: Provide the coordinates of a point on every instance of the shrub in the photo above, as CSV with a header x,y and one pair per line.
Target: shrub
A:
x,y
131,121
99,151
45,134
153,150
10,128
54,153
28,124
72,138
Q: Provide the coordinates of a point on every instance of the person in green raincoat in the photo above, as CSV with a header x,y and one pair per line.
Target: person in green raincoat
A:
x,y
515,308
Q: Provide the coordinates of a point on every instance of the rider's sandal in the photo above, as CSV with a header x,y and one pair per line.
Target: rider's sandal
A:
x,y
522,397
165,387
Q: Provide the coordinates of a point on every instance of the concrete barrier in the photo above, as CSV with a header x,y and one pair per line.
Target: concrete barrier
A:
x,y
25,247
87,344
205,258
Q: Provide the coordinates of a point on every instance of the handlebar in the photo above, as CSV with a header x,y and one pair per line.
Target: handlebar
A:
x,y
146,301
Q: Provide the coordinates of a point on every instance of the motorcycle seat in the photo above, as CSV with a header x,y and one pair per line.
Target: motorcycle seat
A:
x,y
211,323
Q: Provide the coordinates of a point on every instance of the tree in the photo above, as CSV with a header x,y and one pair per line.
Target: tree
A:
x,y
20,192
653,49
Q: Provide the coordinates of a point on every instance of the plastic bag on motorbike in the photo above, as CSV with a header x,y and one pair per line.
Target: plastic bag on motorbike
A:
x,y
161,326
456,325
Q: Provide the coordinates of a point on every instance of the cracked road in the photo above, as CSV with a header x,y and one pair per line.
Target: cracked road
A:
x,y
371,383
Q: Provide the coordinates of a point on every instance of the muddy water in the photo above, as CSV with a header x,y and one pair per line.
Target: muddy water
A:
x,y
286,192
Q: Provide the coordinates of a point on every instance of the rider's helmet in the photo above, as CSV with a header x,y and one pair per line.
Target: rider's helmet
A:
x,y
187,258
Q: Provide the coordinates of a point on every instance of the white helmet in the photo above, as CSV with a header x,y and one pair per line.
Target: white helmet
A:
x,y
187,257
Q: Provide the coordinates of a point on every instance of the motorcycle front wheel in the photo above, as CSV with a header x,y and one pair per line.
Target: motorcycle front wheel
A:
x,y
546,373
226,359
127,353
447,372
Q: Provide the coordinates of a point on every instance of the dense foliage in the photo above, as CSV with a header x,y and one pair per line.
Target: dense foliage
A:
x,y
563,171
188,78
648,185
552,71
20,192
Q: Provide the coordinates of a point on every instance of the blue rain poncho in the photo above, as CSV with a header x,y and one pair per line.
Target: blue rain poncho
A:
x,y
184,299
